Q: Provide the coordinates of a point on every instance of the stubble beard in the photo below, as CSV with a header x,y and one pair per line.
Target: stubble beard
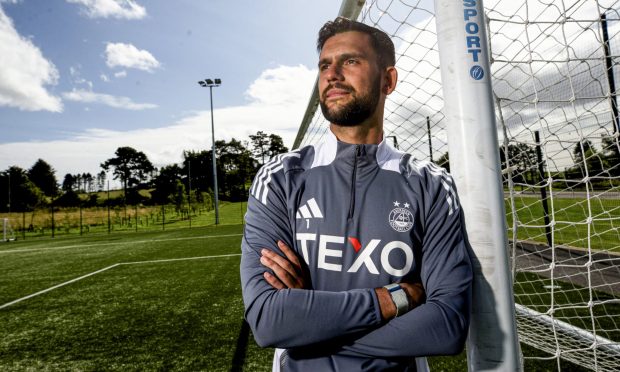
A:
x,y
357,111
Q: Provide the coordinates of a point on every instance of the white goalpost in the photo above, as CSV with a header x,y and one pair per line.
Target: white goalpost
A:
x,y
518,100
472,140
7,231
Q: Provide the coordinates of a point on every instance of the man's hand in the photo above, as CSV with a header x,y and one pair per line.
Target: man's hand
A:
x,y
289,272
415,295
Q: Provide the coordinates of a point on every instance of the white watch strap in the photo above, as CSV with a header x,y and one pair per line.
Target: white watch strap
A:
x,y
399,297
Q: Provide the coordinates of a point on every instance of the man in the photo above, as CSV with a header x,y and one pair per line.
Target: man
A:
x,y
344,240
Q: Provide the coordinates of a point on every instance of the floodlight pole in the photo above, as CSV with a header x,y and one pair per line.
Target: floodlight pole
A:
x,y
210,83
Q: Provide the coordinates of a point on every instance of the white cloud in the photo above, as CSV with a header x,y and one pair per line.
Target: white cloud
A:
x,y
127,55
164,146
24,72
77,78
122,9
120,74
104,78
86,96
281,88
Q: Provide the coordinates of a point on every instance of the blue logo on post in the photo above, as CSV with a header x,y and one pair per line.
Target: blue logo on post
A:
x,y
476,72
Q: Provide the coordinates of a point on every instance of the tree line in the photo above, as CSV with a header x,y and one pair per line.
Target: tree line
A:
x,y
191,180
522,159
237,163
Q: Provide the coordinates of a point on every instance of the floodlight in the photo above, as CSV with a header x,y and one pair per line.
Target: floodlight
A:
x,y
208,83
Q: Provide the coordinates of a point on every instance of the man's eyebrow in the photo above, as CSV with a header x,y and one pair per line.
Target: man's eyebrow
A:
x,y
342,57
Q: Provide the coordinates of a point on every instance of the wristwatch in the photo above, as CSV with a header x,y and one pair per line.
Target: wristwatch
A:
x,y
399,297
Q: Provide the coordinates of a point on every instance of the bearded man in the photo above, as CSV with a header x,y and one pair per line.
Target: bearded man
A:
x,y
353,255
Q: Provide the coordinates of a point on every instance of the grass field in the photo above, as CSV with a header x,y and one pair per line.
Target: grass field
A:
x,y
571,303
573,228
155,315
172,303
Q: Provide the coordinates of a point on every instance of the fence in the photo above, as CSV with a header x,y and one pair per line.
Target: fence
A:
x,y
48,222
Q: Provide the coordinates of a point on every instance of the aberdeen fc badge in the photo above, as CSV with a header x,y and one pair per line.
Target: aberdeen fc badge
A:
x,y
401,219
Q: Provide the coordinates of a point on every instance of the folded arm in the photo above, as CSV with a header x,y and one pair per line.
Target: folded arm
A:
x,y
439,326
294,317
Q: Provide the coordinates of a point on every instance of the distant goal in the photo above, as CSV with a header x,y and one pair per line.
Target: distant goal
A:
x,y
7,231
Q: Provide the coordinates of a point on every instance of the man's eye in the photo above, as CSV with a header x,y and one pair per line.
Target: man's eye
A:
x,y
351,61
323,67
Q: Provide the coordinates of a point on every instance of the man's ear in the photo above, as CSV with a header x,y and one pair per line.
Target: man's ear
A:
x,y
390,77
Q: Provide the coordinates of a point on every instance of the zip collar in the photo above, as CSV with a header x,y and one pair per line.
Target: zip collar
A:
x,y
383,154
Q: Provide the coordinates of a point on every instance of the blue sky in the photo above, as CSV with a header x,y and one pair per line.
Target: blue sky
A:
x,y
83,77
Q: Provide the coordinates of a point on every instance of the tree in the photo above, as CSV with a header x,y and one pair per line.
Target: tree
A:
x,y
44,177
179,197
586,158
78,182
260,145
201,165
276,145
521,161
18,192
165,184
68,182
237,166
87,181
130,166
266,146
68,199
611,155
101,176
580,149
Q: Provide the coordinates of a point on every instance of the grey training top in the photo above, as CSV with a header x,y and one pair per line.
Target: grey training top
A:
x,y
361,217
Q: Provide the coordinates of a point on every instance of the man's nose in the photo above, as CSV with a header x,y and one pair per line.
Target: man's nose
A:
x,y
334,72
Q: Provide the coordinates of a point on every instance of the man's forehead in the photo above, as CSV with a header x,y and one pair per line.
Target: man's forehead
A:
x,y
347,42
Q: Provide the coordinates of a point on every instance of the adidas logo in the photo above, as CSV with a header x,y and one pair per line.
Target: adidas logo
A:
x,y
309,210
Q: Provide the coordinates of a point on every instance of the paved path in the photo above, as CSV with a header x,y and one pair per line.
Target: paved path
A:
x,y
568,194
571,265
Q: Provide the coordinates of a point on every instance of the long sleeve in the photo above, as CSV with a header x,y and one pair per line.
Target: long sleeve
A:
x,y
440,325
293,317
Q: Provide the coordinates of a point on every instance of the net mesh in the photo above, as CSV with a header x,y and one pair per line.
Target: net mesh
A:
x,y
553,64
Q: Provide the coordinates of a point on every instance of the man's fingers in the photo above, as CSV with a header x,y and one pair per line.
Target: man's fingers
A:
x,y
274,281
279,260
284,275
287,269
288,252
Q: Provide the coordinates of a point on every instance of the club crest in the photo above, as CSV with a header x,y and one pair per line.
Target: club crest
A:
x,y
401,219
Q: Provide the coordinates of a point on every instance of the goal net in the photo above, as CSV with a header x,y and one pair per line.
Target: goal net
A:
x,y
554,66
7,231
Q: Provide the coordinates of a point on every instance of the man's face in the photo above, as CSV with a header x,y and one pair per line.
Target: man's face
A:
x,y
349,79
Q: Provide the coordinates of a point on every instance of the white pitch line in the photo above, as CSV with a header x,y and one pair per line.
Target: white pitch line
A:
x,y
56,286
118,243
181,259
110,267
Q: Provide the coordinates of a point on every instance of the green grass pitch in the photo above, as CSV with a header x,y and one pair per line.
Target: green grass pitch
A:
x,y
163,312
166,315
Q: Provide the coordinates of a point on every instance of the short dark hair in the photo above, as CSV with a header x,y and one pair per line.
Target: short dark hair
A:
x,y
380,41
